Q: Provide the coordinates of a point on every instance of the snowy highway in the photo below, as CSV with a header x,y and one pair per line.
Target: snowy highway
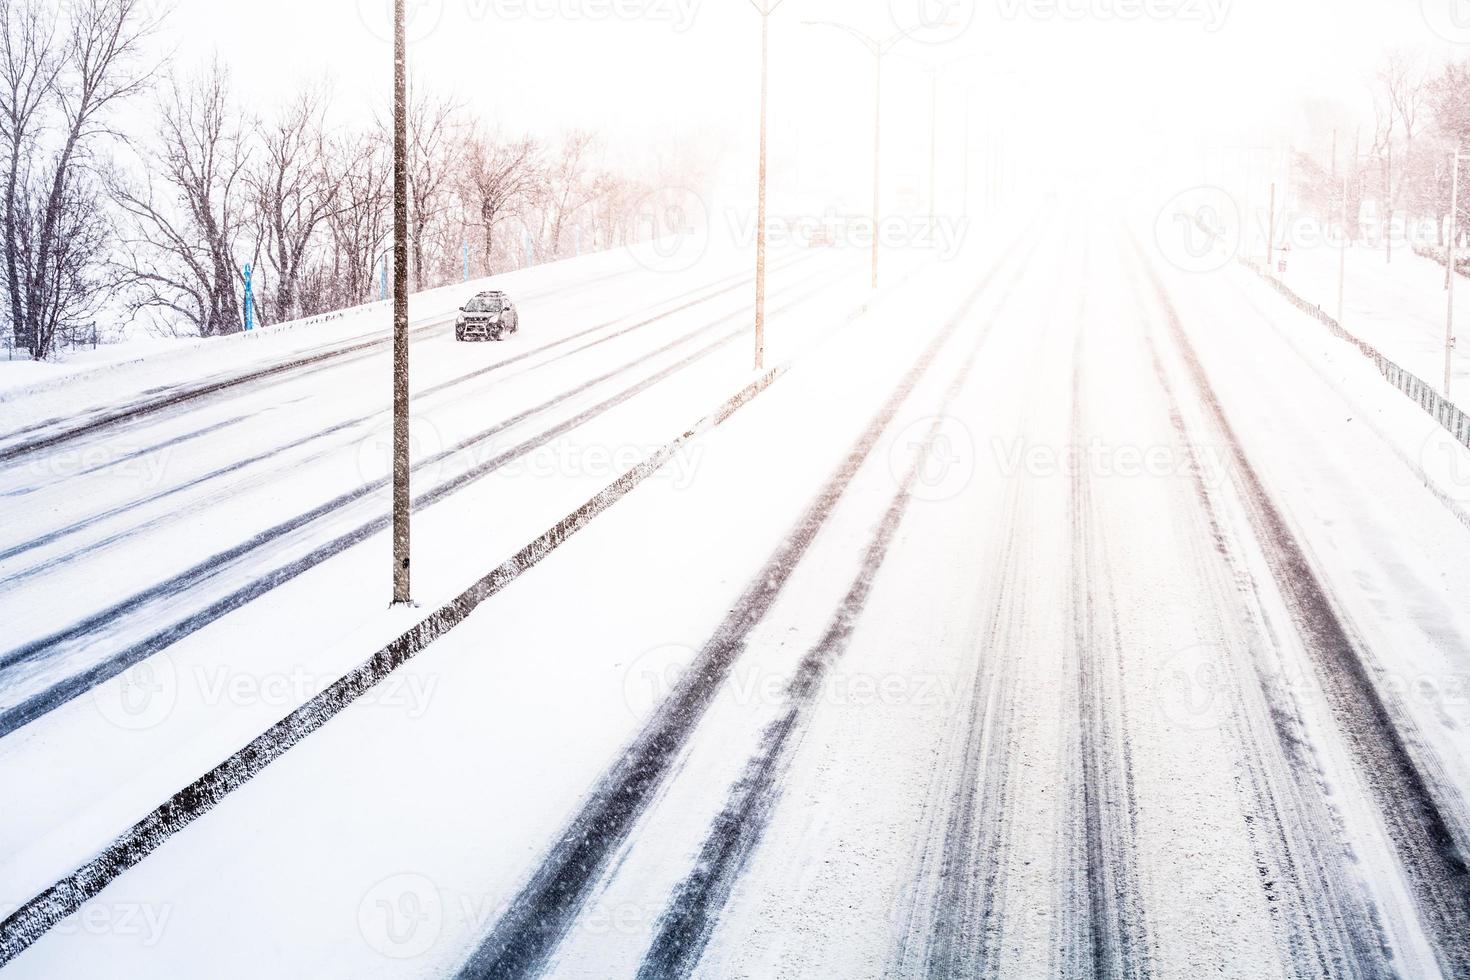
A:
x,y
1051,611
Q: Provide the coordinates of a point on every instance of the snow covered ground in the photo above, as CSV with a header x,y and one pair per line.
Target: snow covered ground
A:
x,y
1398,307
1057,613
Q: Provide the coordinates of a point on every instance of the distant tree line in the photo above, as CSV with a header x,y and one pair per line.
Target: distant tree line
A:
x,y
158,226
1402,162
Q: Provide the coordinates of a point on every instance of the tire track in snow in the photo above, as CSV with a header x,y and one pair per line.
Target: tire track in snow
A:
x,y
1384,752
955,913
688,921
362,420
1326,924
538,917
31,488
227,493
36,917
1115,933
165,399
98,624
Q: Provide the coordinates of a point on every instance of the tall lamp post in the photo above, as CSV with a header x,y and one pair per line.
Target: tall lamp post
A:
x,y
1449,319
1349,179
765,8
935,72
401,502
878,48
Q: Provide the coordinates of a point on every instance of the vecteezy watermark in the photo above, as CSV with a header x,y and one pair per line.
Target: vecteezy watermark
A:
x,y
944,235
425,449
401,917
402,690
940,453
933,21
141,921
1199,230
1209,464
1450,19
653,677
145,467
604,463
679,14
1194,690
1190,688
669,230
140,697
421,18
1445,461
1210,14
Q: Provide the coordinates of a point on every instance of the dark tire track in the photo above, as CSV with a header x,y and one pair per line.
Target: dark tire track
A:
x,y
226,493
36,917
115,663
1422,837
956,924
1117,931
1327,925
539,916
417,398
689,920
169,398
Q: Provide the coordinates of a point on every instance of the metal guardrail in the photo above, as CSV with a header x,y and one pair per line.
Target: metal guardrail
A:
x,y
1443,411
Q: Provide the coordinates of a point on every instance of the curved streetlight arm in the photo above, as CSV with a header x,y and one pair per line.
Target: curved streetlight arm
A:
x,y
876,47
872,44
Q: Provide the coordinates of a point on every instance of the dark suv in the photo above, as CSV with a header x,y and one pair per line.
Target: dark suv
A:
x,y
487,316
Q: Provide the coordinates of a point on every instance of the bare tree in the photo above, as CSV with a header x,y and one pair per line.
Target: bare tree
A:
x,y
58,84
361,223
497,180
293,195
433,127
1399,103
179,256
570,187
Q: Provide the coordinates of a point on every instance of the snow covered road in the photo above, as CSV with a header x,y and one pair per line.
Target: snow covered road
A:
x,y
1059,614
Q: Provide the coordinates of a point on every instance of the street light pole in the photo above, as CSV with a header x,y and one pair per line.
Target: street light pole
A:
x,y
877,159
765,9
1350,173
933,146
965,196
1449,320
1342,252
878,49
401,502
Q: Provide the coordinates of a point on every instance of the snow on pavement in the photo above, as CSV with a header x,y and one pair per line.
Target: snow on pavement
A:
x,y
1115,627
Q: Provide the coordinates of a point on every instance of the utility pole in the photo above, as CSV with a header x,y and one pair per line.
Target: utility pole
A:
x,y
877,159
878,49
965,197
1348,174
1449,320
1342,252
933,147
401,501
1271,233
1388,205
765,9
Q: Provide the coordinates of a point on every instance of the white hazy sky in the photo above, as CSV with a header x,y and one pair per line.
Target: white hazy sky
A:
x,y
1069,81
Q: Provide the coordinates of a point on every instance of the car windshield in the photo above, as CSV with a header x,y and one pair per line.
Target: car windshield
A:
x,y
483,304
